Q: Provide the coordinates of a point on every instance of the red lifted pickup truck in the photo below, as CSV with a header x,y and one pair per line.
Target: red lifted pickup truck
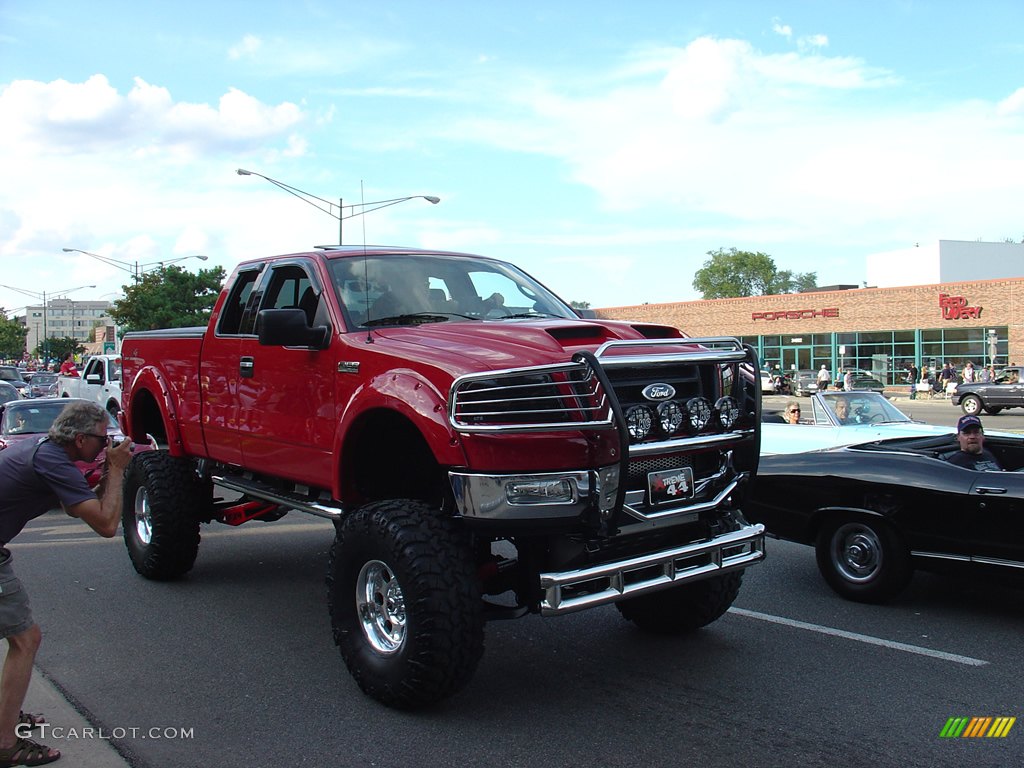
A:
x,y
483,451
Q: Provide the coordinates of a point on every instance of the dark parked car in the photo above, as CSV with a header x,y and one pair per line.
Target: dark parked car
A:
x,y
876,511
805,383
12,375
863,380
1007,391
8,392
41,383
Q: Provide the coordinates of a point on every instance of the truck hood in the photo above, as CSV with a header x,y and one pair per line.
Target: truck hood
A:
x,y
489,345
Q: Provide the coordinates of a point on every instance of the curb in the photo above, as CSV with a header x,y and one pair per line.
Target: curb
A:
x,y
78,740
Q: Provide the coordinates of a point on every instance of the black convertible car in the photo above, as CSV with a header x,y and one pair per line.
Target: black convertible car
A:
x,y
876,511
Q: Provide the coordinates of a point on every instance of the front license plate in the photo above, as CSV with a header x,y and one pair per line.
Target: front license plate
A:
x,y
670,485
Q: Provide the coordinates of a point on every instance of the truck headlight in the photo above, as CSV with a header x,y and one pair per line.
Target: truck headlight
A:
x,y
555,490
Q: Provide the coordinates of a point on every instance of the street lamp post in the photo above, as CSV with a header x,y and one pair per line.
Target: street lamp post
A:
x,y
135,269
42,297
329,210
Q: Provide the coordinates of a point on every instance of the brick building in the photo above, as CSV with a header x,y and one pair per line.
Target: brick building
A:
x,y
880,330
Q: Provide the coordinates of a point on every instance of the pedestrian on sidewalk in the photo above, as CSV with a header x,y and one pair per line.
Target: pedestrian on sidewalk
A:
x,y
912,377
36,476
824,377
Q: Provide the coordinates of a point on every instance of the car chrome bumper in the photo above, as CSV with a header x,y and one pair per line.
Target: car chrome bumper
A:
x,y
605,583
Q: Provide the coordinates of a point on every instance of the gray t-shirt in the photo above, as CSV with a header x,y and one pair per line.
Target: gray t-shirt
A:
x,y
36,476
982,462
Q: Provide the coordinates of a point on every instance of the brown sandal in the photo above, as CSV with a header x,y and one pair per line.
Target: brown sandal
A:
x,y
27,752
31,720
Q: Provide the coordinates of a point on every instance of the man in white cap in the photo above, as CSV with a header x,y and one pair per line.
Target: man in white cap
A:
x,y
824,377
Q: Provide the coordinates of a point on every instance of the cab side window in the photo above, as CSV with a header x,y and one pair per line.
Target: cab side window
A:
x,y
289,287
231,314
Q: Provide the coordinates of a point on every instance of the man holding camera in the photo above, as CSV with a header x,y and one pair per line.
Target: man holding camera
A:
x,y
36,476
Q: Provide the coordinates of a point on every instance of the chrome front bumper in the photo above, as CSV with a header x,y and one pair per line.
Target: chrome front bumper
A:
x,y
575,590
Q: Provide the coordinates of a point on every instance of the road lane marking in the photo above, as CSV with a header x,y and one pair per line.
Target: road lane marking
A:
x,y
861,638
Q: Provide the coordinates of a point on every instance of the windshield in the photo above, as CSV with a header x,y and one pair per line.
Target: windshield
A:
x,y
36,418
862,408
413,289
10,374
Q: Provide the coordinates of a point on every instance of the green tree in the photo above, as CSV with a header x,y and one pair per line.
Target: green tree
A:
x,y
58,348
168,297
733,273
579,304
12,338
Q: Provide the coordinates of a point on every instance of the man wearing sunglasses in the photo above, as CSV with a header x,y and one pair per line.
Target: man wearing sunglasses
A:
x,y
37,476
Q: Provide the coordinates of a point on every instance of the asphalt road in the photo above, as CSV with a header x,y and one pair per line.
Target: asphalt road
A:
x,y
239,657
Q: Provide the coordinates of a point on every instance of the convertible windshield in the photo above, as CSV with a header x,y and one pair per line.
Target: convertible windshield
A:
x,y
861,408
382,290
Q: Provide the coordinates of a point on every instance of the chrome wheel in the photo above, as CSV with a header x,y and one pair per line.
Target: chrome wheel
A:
x,y
143,517
856,552
971,405
380,606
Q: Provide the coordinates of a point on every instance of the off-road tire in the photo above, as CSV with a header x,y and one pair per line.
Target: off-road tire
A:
x,y
163,501
405,603
684,608
864,559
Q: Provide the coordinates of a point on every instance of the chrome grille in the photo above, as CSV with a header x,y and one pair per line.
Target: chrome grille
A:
x,y
529,399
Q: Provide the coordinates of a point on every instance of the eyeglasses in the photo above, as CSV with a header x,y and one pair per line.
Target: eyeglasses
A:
x,y
793,410
98,437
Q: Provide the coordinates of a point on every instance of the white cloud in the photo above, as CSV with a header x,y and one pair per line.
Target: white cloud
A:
x,y
784,30
71,118
249,46
813,41
1012,104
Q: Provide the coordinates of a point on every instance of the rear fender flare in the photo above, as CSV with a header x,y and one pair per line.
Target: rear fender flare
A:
x,y
151,380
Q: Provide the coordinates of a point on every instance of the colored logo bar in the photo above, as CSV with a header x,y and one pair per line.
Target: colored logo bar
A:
x,y
976,727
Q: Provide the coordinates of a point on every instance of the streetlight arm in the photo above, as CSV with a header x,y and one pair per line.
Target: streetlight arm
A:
x,y
164,262
306,197
127,267
378,204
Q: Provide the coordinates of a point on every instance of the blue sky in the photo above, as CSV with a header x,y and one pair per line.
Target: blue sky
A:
x,y
605,147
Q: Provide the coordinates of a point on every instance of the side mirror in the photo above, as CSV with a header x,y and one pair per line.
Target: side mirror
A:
x,y
288,328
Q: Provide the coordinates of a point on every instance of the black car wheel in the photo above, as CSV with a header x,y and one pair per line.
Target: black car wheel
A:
x,y
405,603
863,559
993,410
971,405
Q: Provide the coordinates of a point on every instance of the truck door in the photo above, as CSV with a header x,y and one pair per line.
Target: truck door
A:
x,y
286,407
221,369
93,378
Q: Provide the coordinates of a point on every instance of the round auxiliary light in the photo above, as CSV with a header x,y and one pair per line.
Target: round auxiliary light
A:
x,y
640,421
728,412
671,416
698,412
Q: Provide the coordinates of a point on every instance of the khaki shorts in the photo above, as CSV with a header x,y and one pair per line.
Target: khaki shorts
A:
x,y
15,613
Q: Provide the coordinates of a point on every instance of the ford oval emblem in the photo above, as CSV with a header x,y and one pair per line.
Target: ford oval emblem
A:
x,y
659,392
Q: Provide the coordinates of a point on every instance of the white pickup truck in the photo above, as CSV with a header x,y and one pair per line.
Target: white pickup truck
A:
x,y
100,382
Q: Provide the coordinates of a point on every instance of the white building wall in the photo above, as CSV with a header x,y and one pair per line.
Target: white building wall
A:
x,y
917,265
945,261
